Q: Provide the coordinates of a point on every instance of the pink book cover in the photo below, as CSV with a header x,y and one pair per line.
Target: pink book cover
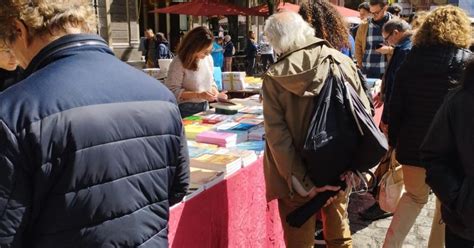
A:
x,y
216,137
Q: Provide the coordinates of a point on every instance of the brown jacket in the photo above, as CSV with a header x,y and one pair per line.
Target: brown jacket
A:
x,y
288,90
361,42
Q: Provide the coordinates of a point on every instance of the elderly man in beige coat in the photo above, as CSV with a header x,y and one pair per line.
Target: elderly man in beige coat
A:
x,y
289,88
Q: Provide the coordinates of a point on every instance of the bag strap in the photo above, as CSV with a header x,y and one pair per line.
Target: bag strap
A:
x,y
318,42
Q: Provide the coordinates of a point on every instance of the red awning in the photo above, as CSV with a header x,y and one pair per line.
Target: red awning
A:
x,y
262,10
203,8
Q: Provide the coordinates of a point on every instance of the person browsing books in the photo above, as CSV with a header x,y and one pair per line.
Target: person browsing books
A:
x,y
190,75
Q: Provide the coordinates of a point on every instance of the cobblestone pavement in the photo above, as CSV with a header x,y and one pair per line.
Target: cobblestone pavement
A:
x,y
368,234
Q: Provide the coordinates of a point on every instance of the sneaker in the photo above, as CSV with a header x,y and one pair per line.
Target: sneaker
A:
x,y
374,213
319,237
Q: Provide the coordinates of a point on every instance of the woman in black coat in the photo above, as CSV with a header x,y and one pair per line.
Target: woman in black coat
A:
x,y
434,65
448,156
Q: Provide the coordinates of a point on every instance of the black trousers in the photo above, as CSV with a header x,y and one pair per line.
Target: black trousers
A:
x,y
454,241
267,60
250,70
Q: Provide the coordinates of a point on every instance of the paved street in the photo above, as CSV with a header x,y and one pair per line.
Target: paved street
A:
x,y
371,234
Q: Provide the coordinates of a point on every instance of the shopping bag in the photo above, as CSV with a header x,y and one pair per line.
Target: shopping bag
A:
x,y
391,186
332,132
329,145
373,144
340,130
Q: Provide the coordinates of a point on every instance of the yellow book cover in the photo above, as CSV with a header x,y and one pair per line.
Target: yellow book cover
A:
x,y
194,129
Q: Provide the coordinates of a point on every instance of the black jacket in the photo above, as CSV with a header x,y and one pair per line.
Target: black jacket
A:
x,y
92,152
399,55
9,78
420,87
448,155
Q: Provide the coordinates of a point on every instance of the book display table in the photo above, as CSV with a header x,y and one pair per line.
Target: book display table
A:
x,y
232,213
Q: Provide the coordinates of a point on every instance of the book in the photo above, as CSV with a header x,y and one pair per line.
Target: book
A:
x,y
218,162
257,146
257,134
214,118
227,105
192,130
202,177
201,145
222,139
258,110
242,130
247,156
195,152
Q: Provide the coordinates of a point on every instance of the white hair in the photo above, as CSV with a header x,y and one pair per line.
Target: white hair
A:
x,y
286,31
227,38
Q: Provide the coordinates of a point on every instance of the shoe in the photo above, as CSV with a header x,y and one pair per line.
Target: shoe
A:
x,y
374,213
319,237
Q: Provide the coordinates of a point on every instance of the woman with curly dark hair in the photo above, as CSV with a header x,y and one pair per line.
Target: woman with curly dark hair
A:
x,y
329,25
433,67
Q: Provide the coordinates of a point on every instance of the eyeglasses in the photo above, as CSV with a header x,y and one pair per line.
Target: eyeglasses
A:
x,y
376,13
388,36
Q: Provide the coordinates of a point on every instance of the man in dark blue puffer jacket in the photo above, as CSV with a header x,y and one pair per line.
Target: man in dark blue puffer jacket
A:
x,y
92,151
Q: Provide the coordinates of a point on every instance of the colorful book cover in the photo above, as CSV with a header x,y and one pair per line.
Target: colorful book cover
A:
x,y
223,139
220,162
195,152
192,130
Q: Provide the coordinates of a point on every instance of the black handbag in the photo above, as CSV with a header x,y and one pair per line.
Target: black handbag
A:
x,y
342,136
332,135
373,144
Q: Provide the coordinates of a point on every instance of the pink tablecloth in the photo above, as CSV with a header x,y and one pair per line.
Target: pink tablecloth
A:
x,y
233,213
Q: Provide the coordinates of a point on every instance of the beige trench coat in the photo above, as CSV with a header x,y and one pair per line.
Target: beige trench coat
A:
x,y
288,90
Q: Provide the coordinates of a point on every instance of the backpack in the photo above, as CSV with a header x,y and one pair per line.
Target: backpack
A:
x,y
167,54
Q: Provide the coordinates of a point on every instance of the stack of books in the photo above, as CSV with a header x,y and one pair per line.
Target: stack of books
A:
x,y
228,164
204,178
218,138
214,118
247,156
257,134
234,80
192,130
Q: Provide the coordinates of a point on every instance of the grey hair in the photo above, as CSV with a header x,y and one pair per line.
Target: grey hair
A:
x,y
286,31
227,38
396,24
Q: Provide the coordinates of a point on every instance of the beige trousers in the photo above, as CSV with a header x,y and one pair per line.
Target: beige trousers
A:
x,y
409,207
335,223
228,64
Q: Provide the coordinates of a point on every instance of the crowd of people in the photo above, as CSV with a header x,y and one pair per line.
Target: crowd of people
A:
x,y
418,68
79,129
